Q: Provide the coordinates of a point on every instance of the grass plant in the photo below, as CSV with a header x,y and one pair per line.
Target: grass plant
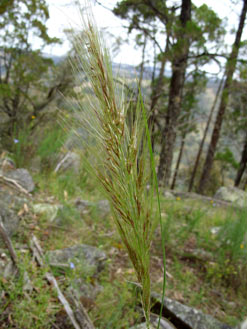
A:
x,y
33,310
122,161
49,146
21,146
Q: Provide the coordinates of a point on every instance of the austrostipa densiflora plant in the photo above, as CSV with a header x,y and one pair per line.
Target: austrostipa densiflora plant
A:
x,y
117,151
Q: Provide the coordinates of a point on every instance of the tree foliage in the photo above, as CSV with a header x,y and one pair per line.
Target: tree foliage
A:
x,y
27,83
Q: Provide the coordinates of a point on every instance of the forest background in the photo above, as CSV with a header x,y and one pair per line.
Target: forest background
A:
x,y
192,74
198,131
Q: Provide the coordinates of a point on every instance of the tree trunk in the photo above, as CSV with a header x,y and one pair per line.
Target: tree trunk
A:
x,y
193,175
175,95
156,93
245,185
242,165
178,161
230,68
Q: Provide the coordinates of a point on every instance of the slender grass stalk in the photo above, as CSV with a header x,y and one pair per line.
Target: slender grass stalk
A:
x,y
158,213
122,162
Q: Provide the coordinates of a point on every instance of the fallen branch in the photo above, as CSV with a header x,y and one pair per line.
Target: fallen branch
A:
x,y
84,321
8,243
80,312
28,285
12,181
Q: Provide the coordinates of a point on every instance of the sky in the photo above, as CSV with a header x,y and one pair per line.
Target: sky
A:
x,y
63,14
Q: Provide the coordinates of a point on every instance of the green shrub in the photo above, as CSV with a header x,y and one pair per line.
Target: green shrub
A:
x,y
22,148
33,310
232,253
50,146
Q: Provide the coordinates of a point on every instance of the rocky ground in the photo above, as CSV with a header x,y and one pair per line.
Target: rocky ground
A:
x,y
62,264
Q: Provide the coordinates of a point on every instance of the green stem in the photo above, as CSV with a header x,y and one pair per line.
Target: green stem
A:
x,y
159,209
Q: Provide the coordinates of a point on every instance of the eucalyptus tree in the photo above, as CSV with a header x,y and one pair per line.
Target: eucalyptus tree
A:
x,y
181,39
152,20
5,4
27,80
229,72
202,142
236,121
242,164
195,83
194,28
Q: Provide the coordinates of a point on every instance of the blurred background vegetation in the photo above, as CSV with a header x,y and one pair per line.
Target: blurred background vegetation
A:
x,y
198,125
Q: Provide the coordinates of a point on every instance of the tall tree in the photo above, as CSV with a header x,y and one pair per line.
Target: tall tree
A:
x,y
230,68
195,84
199,153
237,113
152,18
27,83
185,43
179,64
242,164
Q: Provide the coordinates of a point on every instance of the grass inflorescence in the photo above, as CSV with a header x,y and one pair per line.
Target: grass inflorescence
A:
x,y
117,152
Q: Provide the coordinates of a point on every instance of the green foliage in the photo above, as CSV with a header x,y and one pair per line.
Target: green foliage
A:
x,y
5,4
214,182
25,16
230,268
209,25
26,86
50,145
22,147
35,310
233,237
227,159
65,183
115,306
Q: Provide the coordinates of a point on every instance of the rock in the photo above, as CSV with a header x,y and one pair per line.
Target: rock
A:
x,y
3,261
9,218
141,326
232,194
198,254
9,270
91,258
10,205
4,118
168,195
6,164
215,230
182,315
11,200
243,325
50,210
86,290
164,324
22,177
70,161
85,207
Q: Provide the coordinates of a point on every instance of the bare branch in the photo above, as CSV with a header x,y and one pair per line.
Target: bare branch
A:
x,y
8,242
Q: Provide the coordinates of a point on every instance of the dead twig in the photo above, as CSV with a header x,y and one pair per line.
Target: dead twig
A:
x,y
39,256
8,242
14,182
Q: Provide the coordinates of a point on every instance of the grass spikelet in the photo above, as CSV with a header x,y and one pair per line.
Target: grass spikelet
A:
x,y
118,141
